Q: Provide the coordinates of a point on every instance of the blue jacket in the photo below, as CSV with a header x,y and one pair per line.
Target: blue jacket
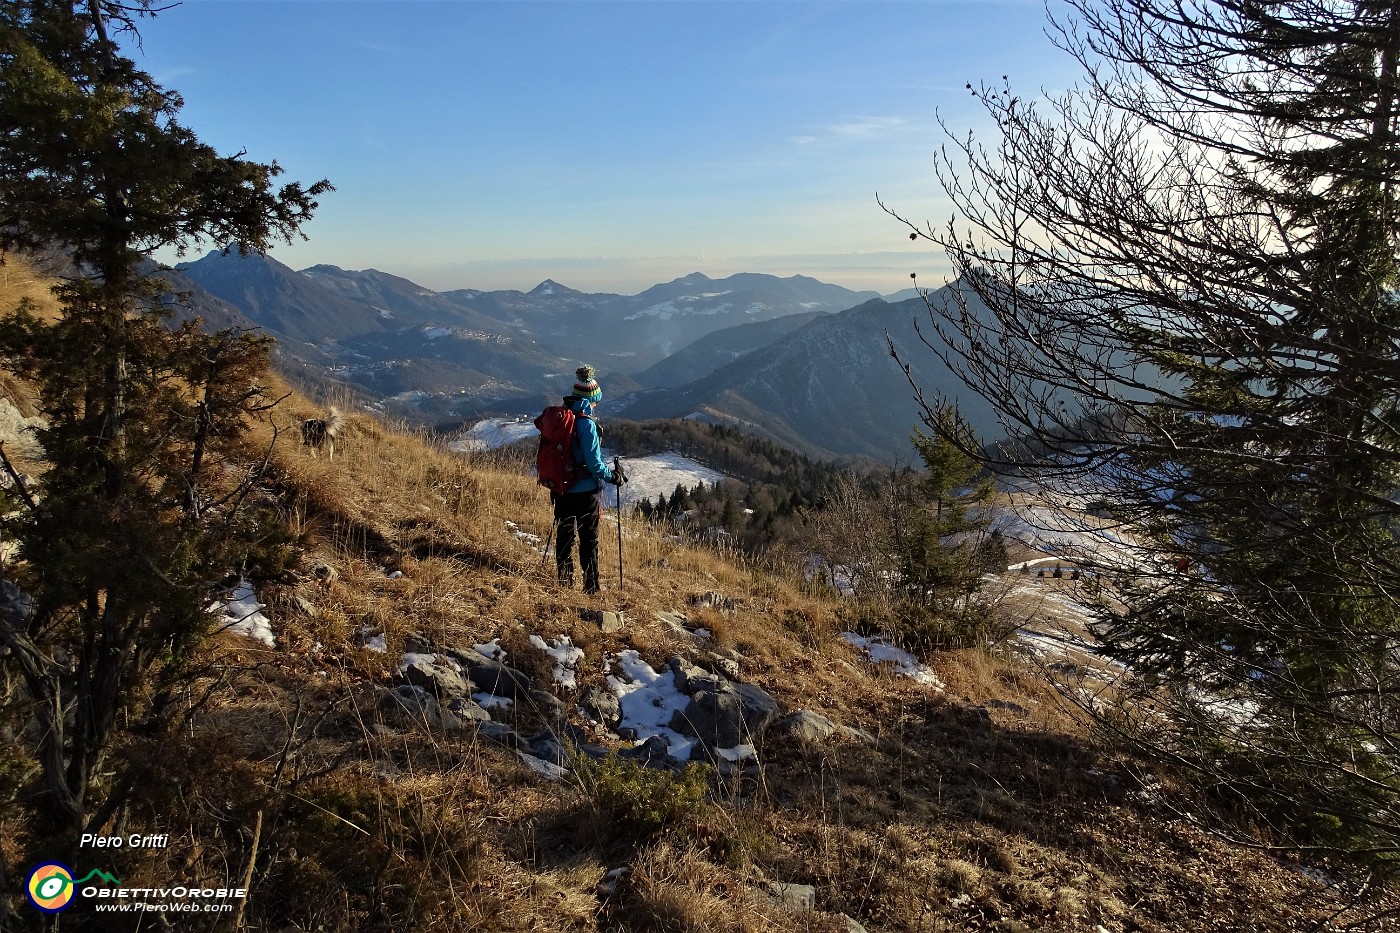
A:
x,y
588,449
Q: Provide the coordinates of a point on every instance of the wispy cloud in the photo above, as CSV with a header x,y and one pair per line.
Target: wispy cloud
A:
x,y
856,128
866,126
170,77
371,46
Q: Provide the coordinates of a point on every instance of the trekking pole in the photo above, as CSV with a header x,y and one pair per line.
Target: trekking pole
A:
x,y
617,465
544,555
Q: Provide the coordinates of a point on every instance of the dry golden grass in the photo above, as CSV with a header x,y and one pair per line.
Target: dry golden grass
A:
x,y
984,806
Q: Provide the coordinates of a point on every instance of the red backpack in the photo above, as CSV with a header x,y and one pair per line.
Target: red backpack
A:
x,y
554,462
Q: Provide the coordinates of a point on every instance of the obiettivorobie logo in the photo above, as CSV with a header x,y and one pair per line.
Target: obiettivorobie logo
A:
x,y
51,886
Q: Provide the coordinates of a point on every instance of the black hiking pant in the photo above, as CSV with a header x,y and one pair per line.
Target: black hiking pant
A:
x,y
576,514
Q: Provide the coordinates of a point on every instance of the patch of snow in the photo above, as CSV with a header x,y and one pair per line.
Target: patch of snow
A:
x,y
492,649
668,309
648,702
566,657
523,536
411,658
372,641
493,433
905,664
241,613
491,701
737,753
436,333
658,474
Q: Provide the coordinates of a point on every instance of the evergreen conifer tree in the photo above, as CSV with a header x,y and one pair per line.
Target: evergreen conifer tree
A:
x,y
1178,286
124,546
938,536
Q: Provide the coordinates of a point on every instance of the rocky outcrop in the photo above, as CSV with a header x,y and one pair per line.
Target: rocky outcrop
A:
x,y
814,729
490,675
408,706
721,713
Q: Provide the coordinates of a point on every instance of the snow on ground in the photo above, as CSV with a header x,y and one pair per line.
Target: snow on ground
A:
x,y
566,658
904,663
493,650
493,433
669,309
411,658
436,333
1078,537
648,702
240,612
524,537
650,477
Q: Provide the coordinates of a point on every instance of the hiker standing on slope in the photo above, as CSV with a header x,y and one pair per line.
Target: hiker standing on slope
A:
x,y
577,509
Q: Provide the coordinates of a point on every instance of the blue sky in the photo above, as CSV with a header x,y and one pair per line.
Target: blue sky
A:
x,y
606,145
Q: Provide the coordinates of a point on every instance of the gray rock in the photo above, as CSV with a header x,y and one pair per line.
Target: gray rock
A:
x,y
673,622
600,704
852,925
797,898
549,706
467,709
503,735
436,674
692,679
733,715
719,664
546,747
653,753
411,704
491,676
809,727
418,643
609,622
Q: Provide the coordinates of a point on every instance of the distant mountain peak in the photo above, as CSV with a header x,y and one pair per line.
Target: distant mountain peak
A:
x,y
549,287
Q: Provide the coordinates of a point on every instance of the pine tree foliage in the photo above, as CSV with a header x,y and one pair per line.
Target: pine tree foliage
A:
x,y
134,525
1178,285
939,541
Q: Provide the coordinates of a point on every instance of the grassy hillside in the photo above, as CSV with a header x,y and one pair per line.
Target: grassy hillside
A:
x,y
980,805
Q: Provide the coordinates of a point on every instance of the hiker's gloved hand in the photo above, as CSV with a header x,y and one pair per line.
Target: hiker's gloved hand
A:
x,y
618,476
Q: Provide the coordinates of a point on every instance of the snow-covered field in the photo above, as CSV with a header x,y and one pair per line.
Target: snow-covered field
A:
x,y
493,433
649,477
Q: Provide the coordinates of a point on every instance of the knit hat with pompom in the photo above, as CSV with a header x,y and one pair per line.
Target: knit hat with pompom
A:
x,y
587,387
